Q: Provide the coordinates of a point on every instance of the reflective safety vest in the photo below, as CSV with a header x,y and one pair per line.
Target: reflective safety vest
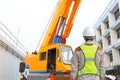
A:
x,y
89,67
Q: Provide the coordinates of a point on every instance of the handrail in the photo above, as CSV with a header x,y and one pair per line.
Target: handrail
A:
x,y
7,34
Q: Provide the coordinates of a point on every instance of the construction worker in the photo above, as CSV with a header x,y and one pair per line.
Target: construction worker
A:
x,y
88,59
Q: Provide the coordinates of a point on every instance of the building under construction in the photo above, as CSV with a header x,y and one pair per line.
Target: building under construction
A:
x,y
108,36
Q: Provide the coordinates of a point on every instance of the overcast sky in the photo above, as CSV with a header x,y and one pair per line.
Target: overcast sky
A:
x,y
30,17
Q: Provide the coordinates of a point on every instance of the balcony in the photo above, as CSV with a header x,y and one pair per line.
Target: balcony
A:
x,y
117,44
108,50
107,33
115,25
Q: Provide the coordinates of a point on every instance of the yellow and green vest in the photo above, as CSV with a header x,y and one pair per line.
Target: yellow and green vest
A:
x,y
89,67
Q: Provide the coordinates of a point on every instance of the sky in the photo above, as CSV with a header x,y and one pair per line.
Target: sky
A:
x,y
27,19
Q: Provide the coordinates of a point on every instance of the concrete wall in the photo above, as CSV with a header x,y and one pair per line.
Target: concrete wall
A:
x,y
12,52
10,57
9,65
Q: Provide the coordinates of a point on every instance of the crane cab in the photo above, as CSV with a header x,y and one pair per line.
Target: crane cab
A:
x,y
54,58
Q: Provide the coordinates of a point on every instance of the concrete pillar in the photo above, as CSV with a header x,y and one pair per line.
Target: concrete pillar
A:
x,y
107,60
113,33
119,4
103,27
111,18
104,40
98,34
116,56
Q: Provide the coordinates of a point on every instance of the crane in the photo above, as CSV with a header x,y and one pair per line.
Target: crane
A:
x,y
54,55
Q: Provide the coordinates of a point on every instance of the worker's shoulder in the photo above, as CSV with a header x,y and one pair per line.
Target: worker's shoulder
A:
x,y
99,48
78,48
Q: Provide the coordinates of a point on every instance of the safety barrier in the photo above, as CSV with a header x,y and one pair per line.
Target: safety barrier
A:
x,y
8,35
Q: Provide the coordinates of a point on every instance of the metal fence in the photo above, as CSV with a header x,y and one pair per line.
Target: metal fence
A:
x,y
6,33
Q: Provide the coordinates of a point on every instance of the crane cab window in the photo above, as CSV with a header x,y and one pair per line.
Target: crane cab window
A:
x,y
43,56
66,54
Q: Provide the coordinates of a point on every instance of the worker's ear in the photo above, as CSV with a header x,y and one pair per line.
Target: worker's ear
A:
x,y
22,67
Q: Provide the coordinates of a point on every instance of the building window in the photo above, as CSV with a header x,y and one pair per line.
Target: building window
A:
x,y
107,24
118,32
111,57
43,56
101,45
116,14
100,32
109,40
119,52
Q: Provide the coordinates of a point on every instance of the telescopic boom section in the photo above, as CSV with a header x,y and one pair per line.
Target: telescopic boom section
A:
x,y
61,22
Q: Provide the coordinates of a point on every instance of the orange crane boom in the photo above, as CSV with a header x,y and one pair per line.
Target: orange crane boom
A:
x,y
59,26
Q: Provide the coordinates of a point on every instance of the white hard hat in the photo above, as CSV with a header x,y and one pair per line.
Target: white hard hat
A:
x,y
89,31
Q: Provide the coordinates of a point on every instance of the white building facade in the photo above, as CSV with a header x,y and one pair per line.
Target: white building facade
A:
x,y
108,36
